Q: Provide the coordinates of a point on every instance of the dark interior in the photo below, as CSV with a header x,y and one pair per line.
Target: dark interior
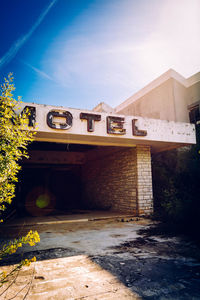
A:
x,y
45,189
48,146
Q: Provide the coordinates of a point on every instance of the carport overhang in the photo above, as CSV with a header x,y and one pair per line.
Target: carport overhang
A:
x,y
116,178
86,127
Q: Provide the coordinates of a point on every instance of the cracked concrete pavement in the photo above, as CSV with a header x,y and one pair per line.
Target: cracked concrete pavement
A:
x,y
107,259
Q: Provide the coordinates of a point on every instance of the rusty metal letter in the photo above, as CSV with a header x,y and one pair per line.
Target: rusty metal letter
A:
x,y
115,125
90,120
30,111
136,131
59,114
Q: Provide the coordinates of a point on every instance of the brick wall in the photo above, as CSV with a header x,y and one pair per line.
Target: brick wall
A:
x,y
144,180
116,181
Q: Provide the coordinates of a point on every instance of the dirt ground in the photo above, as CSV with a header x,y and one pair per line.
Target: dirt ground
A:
x,y
106,259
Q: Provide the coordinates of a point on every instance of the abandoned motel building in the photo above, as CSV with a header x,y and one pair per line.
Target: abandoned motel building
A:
x,y
100,160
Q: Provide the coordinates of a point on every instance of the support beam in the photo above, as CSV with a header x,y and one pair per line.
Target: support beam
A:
x,y
144,180
55,157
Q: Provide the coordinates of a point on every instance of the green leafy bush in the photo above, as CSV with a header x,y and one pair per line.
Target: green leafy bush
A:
x,y
176,185
15,135
14,138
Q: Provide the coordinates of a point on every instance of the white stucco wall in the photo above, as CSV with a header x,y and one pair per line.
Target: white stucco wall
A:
x,y
165,98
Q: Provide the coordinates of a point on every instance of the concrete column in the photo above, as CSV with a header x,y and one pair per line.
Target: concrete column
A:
x,y
144,180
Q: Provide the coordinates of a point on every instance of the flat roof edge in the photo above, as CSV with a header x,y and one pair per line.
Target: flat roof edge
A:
x,y
170,74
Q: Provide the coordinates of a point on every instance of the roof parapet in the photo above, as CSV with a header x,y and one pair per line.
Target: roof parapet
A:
x,y
158,81
103,107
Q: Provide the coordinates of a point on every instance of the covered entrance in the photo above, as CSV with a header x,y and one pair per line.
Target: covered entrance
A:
x,y
84,160
63,178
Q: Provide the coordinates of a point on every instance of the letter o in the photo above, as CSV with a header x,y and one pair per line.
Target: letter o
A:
x,y
59,114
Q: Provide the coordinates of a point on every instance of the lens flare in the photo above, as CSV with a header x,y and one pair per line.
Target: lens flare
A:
x,y
42,201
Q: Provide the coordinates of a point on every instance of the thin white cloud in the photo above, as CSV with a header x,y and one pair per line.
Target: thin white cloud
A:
x,y
11,53
38,71
110,52
122,55
96,64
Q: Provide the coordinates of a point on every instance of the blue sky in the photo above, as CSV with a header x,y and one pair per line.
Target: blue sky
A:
x,y
77,53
